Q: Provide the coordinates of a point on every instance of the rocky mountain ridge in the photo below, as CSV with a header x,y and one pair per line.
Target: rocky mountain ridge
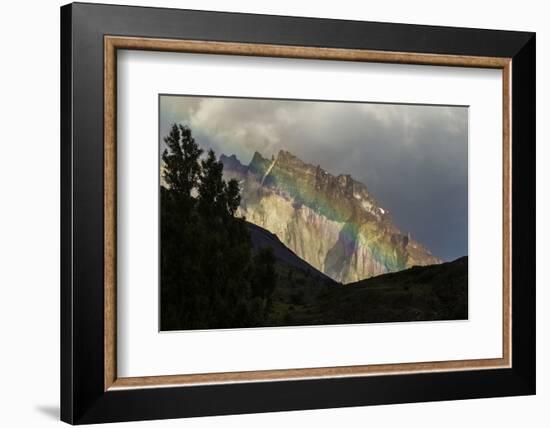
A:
x,y
331,222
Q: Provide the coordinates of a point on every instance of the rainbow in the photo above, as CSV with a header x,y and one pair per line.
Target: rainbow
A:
x,y
339,199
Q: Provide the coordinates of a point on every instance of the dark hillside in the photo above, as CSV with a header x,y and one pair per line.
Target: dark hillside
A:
x,y
427,293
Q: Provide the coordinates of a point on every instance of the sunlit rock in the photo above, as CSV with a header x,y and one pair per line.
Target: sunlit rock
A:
x,y
331,222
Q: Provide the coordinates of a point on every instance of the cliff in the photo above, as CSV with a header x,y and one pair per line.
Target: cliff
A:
x,y
331,222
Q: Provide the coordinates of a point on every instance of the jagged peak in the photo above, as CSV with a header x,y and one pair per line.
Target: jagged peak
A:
x,y
345,181
231,162
258,164
257,157
285,154
287,160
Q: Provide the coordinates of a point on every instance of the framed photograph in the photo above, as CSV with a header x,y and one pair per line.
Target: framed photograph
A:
x,y
266,213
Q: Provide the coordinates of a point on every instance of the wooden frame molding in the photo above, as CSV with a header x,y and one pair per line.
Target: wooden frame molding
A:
x,y
113,43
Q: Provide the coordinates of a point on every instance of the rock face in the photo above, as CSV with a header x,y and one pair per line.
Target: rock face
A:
x,y
332,222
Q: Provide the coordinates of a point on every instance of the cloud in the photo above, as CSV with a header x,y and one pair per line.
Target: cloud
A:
x,y
413,158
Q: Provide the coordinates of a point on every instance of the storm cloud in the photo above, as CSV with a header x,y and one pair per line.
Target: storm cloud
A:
x,y
412,158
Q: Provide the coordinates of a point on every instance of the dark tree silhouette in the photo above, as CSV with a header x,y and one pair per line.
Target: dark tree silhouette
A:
x,y
264,277
209,276
182,169
233,196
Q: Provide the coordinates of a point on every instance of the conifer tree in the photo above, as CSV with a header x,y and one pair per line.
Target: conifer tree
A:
x,y
209,277
182,168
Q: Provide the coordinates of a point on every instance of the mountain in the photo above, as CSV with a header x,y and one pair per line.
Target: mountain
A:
x,y
304,296
299,288
421,293
331,222
262,238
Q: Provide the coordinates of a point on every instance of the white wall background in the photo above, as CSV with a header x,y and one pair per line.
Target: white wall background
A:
x,y
29,213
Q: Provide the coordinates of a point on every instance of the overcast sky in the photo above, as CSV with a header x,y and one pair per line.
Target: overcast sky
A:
x,y
412,158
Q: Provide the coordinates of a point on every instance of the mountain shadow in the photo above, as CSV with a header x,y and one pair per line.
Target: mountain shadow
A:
x,y
263,239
